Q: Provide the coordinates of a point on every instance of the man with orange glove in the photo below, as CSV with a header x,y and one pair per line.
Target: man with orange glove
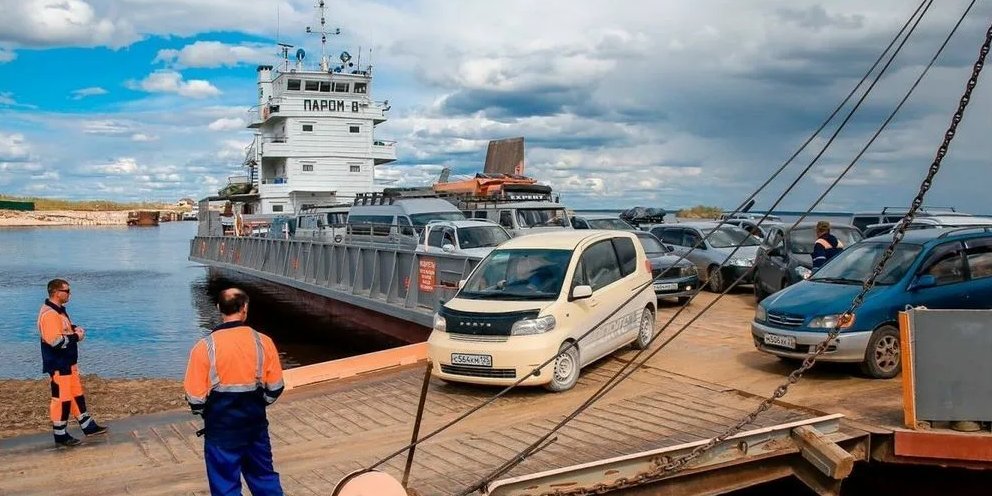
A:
x,y
232,376
59,354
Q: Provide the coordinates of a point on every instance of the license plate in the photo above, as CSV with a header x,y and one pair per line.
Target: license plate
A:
x,y
665,286
783,341
468,359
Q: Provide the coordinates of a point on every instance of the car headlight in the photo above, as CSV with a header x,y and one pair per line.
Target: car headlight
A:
x,y
741,262
440,324
760,314
803,272
842,321
527,327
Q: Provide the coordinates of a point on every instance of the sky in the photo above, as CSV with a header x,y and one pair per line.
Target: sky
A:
x,y
651,103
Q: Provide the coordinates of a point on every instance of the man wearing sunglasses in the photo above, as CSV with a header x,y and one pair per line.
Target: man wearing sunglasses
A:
x,y
59,354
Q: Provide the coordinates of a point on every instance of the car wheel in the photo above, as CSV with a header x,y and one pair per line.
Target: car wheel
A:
x,y
565,371
759,293
882,358
714,279
684,300
646,330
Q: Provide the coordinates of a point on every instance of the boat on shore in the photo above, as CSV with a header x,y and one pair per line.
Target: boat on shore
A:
x,y
143,218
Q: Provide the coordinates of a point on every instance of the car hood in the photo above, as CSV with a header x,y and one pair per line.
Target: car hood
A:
x,y
667,261
496,306
748,252
477,252
812,298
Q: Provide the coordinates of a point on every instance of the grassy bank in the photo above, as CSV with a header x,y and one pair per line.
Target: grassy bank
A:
x,y
700,212
45,204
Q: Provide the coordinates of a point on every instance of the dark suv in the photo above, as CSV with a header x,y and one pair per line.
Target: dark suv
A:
x,y
785,255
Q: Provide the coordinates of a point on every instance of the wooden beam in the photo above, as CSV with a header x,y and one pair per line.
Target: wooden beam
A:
x,y
825,455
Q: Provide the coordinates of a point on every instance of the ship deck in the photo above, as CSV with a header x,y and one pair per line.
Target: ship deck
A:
x,y
703,382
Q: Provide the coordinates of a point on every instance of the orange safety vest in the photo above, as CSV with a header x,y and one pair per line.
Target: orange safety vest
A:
x,y
59,351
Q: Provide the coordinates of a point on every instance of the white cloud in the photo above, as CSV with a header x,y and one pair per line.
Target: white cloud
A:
x,y
14,148
167,81
7,55
227,124
124,166
214,54
46,176
85,92
62,23
107,127
142,137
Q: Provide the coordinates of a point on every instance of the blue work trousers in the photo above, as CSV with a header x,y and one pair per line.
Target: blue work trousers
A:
x,y
226,464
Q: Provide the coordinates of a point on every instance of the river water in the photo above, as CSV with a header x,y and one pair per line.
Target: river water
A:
x,y
142,303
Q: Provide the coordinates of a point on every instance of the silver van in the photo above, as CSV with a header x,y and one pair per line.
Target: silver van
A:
x,y
323,222
395,219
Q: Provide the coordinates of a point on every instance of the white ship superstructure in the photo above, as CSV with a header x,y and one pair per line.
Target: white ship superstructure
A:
x,y
315,134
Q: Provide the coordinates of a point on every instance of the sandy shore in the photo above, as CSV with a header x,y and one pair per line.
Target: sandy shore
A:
x,y
24,409
12,218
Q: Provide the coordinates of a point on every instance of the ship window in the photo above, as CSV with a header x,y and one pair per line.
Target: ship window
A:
x,y
277,208
356,168
293,85
308,128
354,129
340,87
307,167
313,85
325,86
360,87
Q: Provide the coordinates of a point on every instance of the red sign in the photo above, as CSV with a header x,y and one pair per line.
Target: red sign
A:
x,y
428,275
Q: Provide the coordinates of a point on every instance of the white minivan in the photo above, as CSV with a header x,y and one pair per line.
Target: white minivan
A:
x,y
530,297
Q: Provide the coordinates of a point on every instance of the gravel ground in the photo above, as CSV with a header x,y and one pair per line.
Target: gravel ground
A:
x,y
24,409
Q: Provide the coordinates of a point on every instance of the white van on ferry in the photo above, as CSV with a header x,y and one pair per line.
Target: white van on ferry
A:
x,y
534,295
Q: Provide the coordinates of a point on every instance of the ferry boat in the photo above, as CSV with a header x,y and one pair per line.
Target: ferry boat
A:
x,y
315,137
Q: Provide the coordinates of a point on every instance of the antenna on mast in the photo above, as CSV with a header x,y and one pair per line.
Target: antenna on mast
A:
x,y
322,8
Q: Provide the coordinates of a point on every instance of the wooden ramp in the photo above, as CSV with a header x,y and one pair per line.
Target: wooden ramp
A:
x,y
320,433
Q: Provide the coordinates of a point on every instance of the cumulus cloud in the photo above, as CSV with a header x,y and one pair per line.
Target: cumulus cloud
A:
x,y
227,124
47,23
124,166
142,137
14,148
214,54
85,92
167,81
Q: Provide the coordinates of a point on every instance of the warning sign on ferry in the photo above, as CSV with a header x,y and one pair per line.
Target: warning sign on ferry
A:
x,y
428,275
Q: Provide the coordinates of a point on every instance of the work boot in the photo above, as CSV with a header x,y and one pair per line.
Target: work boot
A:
x,y
92,429
65,440
89,426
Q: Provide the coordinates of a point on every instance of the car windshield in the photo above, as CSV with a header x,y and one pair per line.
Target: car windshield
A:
x,y
518,274
542,217
481,237
421,220
609,224
801,240
652,247
855,264
729,237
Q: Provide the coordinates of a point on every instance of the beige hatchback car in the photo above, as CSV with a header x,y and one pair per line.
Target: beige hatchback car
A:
x,y
533,295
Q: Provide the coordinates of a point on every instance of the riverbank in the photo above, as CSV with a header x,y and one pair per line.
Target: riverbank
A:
x,y
42,218
24,409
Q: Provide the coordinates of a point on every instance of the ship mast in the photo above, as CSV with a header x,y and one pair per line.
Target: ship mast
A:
x,y
322,9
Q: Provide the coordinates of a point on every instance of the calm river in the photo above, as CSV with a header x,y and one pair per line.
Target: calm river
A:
x,y
143,304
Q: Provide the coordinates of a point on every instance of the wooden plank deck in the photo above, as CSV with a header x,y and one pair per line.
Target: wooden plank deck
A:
x,y
322,432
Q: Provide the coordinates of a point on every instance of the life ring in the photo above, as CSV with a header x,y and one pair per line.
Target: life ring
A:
x,y
338,238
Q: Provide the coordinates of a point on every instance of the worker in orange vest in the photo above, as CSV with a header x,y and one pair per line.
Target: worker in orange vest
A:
x,y
59,356
232,376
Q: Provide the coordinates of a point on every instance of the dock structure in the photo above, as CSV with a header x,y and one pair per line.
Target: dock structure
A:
x,y
323,431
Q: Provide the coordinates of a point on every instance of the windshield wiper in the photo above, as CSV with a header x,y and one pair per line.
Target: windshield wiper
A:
x,y
839,280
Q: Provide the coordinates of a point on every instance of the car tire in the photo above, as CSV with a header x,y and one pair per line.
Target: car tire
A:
x,y
645,330
684,300
714,279
882,359
564,369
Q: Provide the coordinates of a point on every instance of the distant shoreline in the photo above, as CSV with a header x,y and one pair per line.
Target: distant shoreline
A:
x,y
57,218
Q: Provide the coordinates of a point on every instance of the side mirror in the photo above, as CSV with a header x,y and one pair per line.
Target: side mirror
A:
x,y
923,282
461,283
669,248
448,248
581,292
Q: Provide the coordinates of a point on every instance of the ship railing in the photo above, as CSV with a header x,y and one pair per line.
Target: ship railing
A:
x,y
368,274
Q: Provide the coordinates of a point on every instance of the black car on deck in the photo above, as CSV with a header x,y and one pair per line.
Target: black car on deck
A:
x,y
673,278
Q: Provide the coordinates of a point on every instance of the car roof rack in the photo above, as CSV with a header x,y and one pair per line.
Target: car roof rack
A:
x,y
928,209
957,230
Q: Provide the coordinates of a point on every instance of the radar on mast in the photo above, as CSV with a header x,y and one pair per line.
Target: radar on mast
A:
x,y
300,55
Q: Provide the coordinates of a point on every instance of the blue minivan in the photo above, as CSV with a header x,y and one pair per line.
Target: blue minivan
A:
x,y
936,268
